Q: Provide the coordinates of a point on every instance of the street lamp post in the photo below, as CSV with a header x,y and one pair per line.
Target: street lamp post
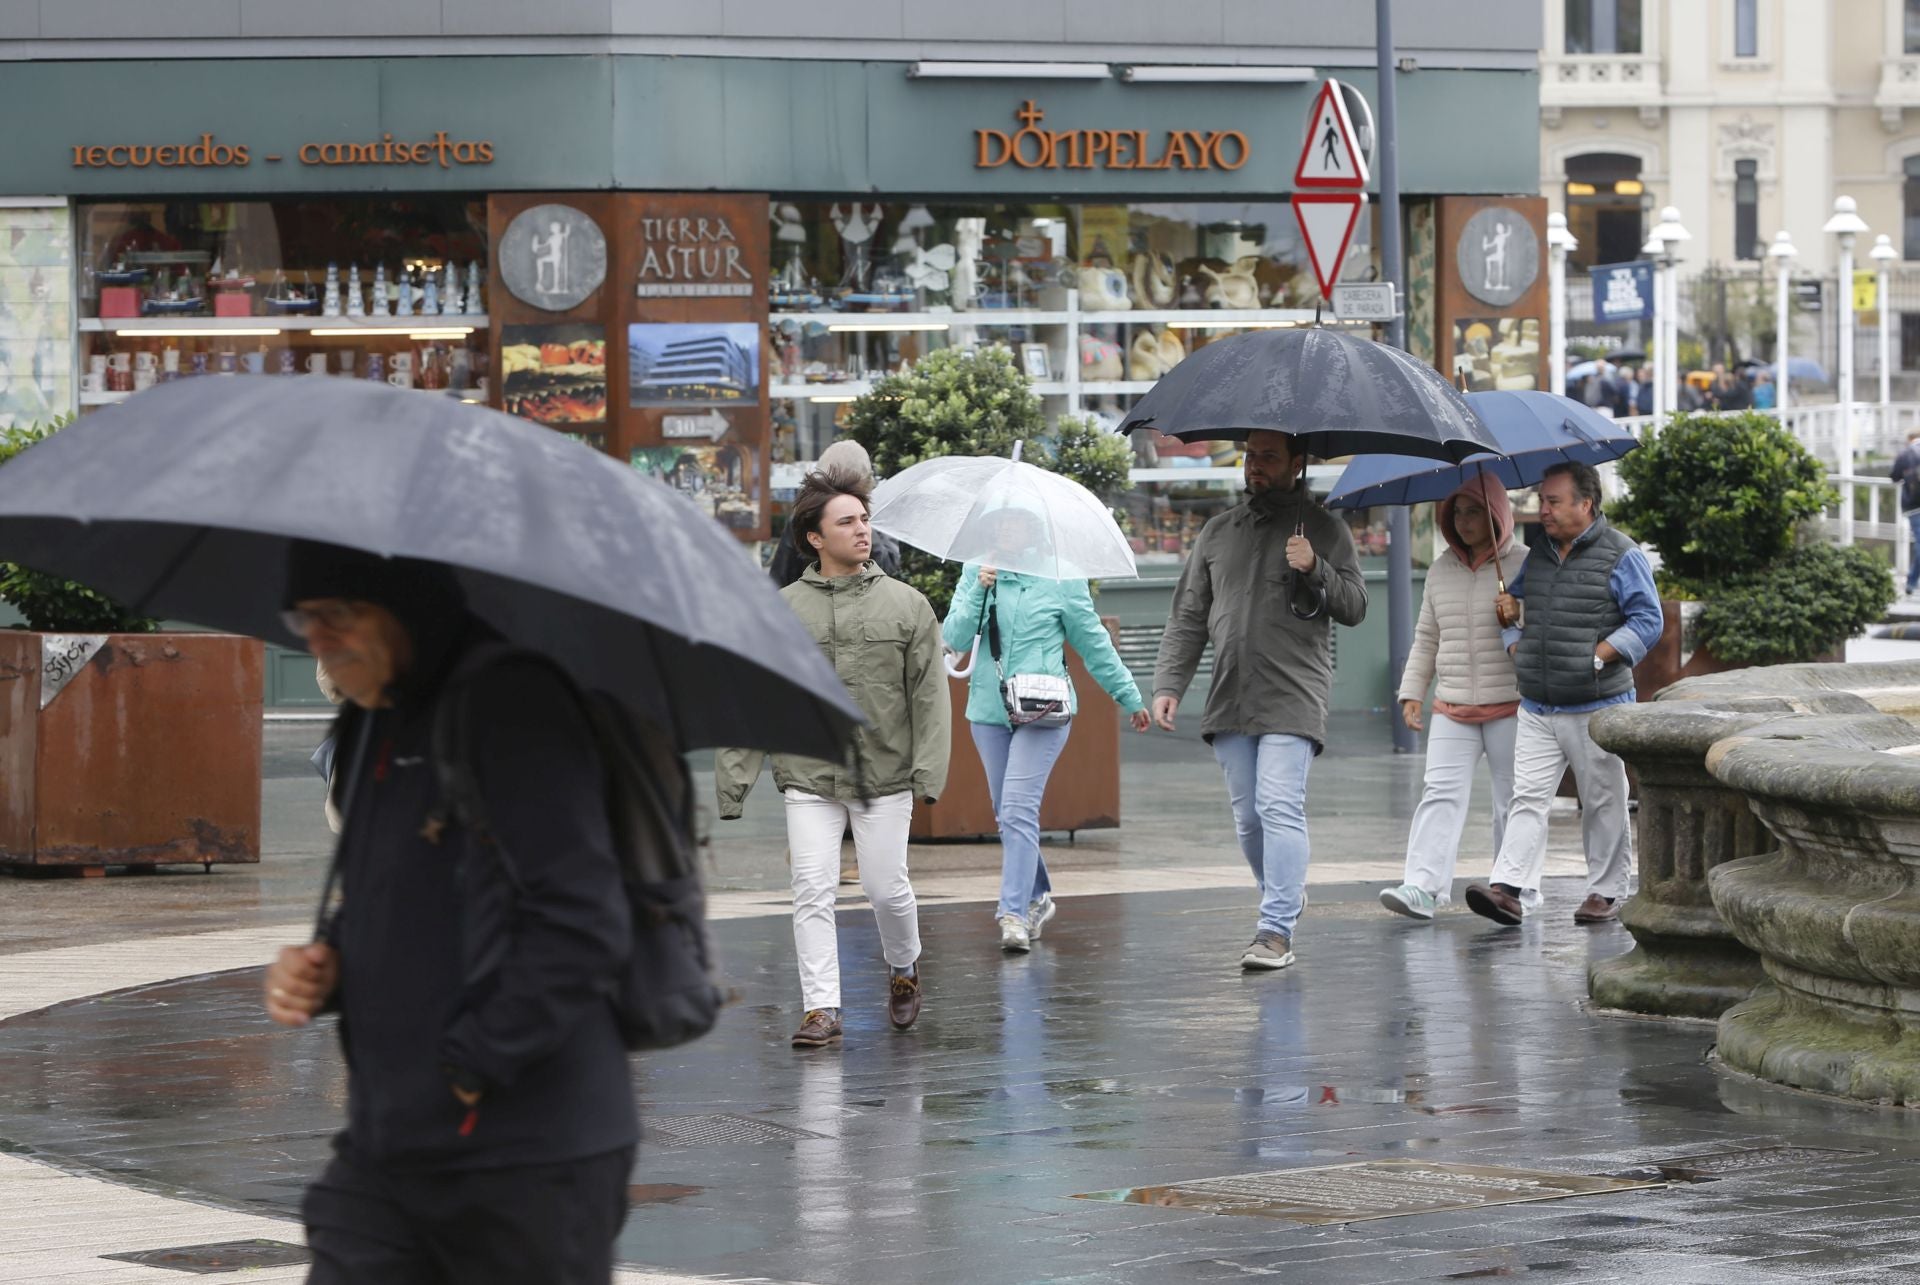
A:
x,y
1781,252
1672,234
1663,390
1846,224
1559,243
1883,254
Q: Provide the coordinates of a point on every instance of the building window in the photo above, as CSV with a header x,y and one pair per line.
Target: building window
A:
x,y
1913,27
1746,29
1910,225
1605,26
1746,210
1604,208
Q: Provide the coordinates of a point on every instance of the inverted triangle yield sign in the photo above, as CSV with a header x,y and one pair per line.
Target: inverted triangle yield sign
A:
x,y
1330,155
1327,220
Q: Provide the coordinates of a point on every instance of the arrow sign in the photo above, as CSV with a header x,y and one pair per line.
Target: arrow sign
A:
x,y
712,426
1331,156
1327,220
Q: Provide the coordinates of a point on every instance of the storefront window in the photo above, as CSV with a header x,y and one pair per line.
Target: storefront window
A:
x,y
386,288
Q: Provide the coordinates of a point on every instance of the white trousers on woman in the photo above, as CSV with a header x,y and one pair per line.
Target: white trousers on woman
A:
x,y
814,828
1453,752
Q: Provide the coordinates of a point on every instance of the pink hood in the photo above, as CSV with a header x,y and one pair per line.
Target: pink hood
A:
x,y
1488,489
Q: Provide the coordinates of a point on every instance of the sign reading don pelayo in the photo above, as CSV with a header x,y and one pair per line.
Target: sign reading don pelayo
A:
x,y
1623,291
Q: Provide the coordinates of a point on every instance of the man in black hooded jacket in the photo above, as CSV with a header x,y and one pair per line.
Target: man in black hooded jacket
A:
x,y
490,1117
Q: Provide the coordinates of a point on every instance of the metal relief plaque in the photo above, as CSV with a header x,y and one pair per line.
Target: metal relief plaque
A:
x,y
553,257
62,656
1498,255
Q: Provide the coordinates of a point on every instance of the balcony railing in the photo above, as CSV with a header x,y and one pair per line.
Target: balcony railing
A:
x,y
1899,88
1600,80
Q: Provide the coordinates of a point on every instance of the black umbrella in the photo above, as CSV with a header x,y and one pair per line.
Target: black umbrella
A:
x,y
181,502
1342,395
1628,355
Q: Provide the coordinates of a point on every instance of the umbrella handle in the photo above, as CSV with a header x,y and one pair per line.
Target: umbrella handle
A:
x,y
973,654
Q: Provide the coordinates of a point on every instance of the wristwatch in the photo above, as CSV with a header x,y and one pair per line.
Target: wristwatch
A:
x,y
1598,664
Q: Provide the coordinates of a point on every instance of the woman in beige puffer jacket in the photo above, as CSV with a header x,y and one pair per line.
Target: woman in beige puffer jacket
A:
x,y
1476,698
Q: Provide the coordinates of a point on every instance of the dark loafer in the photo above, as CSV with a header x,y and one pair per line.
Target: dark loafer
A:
x,y
820,1027
903,1001
1494,903
1597,910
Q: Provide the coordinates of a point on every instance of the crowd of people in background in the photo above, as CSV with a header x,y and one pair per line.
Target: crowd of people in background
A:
x,y
1624,391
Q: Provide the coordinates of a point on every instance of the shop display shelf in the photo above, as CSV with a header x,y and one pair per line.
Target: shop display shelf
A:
x,y
976,317
1184,318
214,326
102,399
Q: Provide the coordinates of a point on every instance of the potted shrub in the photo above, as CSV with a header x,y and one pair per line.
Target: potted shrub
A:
x,y
1725,499
960,402
121,744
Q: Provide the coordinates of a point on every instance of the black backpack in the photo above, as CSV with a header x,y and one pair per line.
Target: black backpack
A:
x,y
667,994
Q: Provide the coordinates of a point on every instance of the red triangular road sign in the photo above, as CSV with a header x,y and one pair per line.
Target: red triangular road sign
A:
x,y
1330,156
1327,220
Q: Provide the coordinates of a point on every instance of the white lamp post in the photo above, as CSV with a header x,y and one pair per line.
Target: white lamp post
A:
x,y
1663,389
1559,243
1883,254
1782,253
1846,224
1672,234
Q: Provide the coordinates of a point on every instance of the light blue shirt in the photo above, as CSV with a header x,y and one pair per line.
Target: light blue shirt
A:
x,y
1639,599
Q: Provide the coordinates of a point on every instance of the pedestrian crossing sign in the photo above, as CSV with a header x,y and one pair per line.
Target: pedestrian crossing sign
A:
x,y
1331,157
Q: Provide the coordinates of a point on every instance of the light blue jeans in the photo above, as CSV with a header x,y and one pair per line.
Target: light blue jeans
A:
x,y
1018,762
1267,786
1913,559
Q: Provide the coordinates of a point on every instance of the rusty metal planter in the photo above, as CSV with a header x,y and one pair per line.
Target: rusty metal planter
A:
x,y
129,749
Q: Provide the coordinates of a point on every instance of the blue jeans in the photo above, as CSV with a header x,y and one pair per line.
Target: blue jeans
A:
x,y
1267,786
1913,558
1018,762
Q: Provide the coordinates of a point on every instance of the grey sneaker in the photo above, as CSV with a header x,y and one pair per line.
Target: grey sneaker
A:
x,y
1038,913
1408,899
1014,937
1269,950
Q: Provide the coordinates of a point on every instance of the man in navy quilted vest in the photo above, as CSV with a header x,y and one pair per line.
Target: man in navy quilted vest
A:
x,y
1592,612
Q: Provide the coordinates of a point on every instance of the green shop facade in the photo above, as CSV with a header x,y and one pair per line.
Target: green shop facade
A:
x,y
696,263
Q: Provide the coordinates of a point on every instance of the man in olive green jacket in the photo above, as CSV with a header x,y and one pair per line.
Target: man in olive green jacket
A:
x,y
884,642
1266,582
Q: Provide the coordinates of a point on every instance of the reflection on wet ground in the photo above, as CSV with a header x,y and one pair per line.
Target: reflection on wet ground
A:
x,y
1126,1052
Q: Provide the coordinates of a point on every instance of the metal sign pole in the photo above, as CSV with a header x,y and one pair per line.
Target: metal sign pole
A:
x,y
1399,521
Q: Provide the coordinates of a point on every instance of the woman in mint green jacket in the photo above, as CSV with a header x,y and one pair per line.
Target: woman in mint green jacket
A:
x,y
1037,618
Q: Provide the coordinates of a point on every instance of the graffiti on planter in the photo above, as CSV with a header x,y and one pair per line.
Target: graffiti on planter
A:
x,y
62,656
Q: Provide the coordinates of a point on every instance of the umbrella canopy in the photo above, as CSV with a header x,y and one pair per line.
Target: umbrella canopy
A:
x,y
1005,513
1626,356
1341,394
181,502
1535,432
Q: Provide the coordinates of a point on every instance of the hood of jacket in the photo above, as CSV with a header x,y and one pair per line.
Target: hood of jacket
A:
x,y
1492,494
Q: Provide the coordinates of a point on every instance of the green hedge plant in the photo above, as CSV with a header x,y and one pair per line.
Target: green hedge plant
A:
x,y
1720,496
960,402
1798,608
51,603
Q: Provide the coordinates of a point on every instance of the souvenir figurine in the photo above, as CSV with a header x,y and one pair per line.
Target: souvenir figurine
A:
x,y
1153,279
476,306
450,293
856,233
403,289
1235,288
379,308
430,303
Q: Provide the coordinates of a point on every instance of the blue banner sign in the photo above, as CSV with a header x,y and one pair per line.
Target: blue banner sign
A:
x,y
1623,291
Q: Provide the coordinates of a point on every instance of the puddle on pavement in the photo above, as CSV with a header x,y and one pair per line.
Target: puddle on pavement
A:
x,y
1711,1166
1514,1269
1369,1189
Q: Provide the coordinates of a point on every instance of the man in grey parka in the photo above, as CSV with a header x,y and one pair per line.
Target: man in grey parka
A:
x,y
1266,582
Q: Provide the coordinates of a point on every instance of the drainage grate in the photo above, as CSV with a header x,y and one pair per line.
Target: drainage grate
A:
x,y
715,1130
1370,1189
224,1256
1715,1164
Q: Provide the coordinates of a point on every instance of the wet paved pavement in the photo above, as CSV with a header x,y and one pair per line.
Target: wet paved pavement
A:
x,y
1125,1051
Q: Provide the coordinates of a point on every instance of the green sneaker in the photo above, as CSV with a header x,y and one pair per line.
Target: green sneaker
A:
x,y
1410,900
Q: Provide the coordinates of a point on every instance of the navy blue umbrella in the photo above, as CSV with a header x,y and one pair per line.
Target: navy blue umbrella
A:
x,y
1339,394
1534,431
181,502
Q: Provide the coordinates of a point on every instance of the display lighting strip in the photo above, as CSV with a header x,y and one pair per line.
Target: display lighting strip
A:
x,y
1234,325
842,397
1217,75
1009,71
865,327
411,332
201,332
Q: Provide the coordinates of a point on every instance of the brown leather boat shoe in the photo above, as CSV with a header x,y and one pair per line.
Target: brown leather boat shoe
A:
x,y
903,1000
1597,910
821,1026
1495,903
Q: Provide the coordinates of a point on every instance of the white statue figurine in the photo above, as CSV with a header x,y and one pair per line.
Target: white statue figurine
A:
x,y
356,302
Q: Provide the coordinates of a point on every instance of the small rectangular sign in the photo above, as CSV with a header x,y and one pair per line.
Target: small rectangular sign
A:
x,y
1623,291
1364,301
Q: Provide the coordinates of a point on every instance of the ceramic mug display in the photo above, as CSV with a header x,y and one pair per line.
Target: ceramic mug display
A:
x,y
170,359
120,361
97,364
94,381
145,379
401,378
256,362
146,361
347,360
317,363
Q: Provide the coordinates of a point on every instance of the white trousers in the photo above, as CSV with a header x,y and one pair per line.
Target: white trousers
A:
x,y
814,829
1454,750
1547,745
